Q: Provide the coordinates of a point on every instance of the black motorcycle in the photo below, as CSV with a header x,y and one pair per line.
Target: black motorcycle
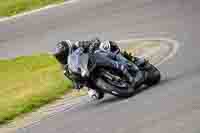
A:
x,y
108,80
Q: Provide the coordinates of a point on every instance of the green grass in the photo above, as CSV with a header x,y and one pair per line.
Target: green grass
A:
x,y
27,83
13,7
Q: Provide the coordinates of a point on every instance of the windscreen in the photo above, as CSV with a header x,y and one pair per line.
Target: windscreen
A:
x,y
78,62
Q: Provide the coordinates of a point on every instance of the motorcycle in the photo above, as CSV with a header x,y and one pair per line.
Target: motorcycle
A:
x,y
108,80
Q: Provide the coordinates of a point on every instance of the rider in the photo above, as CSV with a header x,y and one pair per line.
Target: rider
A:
x,y
104,52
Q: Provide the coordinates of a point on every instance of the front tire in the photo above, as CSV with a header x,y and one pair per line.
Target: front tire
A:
x,y
153,75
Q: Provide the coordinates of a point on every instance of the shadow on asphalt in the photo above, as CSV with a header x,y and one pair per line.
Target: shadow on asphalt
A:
x,y
114,99
107,100
166,81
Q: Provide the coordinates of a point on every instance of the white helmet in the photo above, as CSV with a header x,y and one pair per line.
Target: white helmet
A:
x,y
105,46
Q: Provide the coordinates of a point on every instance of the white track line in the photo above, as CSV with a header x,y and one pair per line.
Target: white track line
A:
x,y
36,10
175,46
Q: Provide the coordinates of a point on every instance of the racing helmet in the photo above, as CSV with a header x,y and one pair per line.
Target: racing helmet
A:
x,y
62,50
105,46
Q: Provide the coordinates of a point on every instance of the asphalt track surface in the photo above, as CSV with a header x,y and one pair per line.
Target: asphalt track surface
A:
x,y
172,106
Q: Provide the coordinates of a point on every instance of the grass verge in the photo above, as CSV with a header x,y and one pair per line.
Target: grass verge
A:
x,y
27,83
13,7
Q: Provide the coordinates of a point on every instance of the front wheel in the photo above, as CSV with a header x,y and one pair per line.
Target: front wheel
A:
x,y
153,75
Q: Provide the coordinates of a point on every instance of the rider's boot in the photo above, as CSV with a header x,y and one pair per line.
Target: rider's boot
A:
x,y
95,95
